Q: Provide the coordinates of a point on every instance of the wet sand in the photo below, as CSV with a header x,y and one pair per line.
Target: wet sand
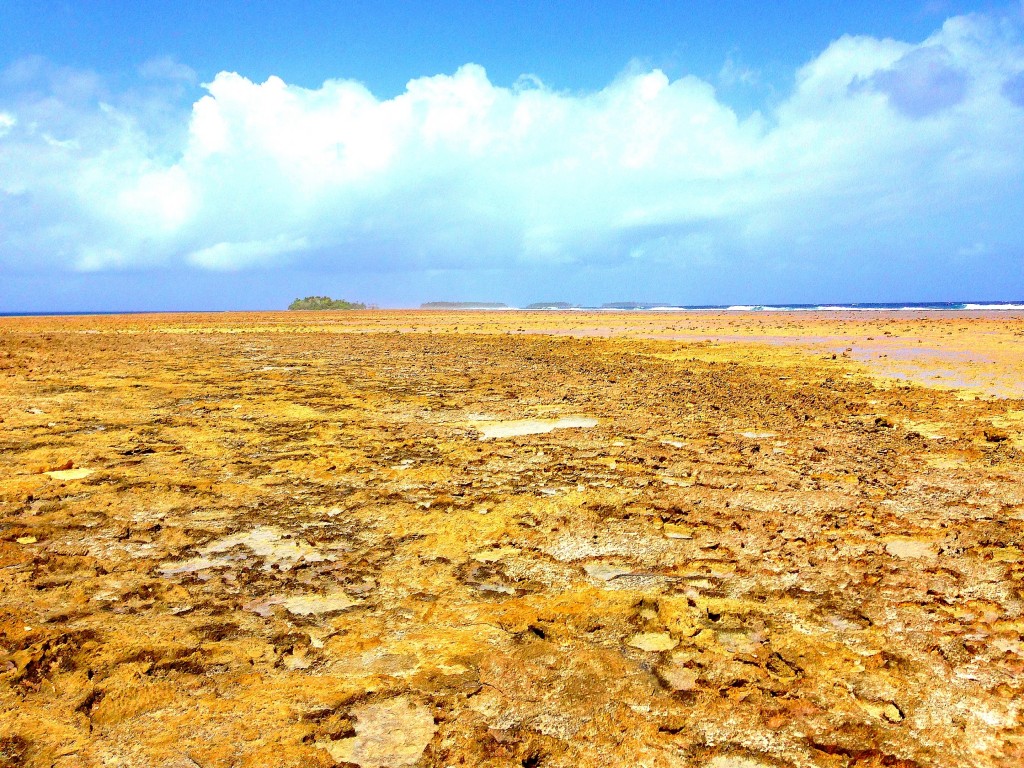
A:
x,y
512,539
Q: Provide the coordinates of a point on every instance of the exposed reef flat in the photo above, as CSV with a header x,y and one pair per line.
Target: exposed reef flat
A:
x,y
512,539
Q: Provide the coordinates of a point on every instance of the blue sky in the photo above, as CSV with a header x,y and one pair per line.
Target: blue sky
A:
x,y
235,155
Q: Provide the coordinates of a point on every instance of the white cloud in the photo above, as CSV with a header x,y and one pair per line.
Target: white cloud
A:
x,y
734,73
885,143
231,256
167,68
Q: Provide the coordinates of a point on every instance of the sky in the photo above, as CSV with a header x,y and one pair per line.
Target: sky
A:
x,y
237,155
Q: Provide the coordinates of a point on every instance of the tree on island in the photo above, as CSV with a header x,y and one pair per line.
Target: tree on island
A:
x,y
324,302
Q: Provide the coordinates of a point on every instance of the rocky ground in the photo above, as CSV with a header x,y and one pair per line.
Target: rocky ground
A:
x,y
509,539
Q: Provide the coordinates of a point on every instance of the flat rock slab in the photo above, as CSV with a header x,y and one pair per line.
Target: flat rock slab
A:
x,y
499,429
653,641
911,549
606,572
70,474
309,605
736,761
388,733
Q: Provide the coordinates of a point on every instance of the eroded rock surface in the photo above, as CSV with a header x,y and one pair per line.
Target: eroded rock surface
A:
x,y
261,540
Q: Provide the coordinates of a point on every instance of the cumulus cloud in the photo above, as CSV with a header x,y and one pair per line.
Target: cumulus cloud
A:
x,y
231,256
882,144
923,82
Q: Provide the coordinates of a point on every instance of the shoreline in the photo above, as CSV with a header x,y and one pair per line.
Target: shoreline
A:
x,y
971,308
979,353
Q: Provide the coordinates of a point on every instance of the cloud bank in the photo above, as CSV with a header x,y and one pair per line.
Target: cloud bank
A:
x,y
882,150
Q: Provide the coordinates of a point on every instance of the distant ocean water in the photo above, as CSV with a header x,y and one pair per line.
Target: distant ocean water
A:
x,y
948,306
916,306
906,306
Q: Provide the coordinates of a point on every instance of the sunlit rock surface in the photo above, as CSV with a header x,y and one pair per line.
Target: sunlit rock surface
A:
x,y
707,540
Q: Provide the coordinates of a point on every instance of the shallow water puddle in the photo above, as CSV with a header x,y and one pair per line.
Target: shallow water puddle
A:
x,y
500,429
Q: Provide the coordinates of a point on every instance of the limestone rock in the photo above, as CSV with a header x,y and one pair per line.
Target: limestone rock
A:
x,y
389,734
652,641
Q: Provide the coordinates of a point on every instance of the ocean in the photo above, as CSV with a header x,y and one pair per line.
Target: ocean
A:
x,y
907,306
630,306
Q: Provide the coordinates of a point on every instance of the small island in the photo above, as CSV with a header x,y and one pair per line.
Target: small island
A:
x,y
324,302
